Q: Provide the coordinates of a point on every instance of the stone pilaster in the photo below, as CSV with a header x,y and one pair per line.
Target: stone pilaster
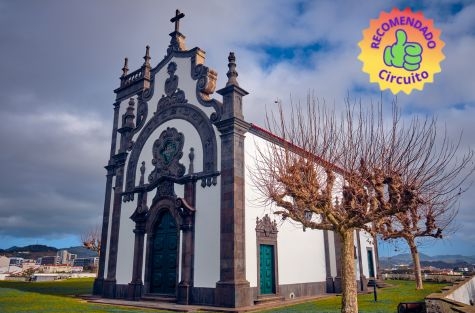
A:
x,y
363,279
140,219
232,290
338,257
136,285
119,161
99,281
110,281
330,288
188,247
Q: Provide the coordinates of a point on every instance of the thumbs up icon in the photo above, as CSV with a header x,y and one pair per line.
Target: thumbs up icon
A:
x,y
402,53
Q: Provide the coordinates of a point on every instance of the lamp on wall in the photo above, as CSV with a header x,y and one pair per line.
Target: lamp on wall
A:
x,y
308,215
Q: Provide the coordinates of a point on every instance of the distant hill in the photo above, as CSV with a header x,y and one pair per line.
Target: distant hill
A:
x,y
29,252
81,252
37,251
439,261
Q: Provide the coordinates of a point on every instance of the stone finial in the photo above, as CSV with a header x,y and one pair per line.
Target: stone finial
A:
x,y
146,64
232,73
147,56
191,155
125,69
129,115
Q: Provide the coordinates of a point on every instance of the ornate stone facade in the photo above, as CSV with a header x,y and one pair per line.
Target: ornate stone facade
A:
x,y
188,212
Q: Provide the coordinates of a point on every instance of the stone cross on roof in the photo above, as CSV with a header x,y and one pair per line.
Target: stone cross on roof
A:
x,y
176,19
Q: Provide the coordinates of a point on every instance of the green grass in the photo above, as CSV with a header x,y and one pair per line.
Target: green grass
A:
x,y
58,297
53,297
388,299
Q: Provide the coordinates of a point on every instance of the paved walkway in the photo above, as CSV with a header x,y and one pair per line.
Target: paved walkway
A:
x,y
199,308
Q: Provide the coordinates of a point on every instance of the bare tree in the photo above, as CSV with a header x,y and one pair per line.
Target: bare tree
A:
x,y
92,239
335,175
439,179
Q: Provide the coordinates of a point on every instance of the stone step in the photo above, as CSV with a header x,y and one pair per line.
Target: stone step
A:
x,y
268,299
158,298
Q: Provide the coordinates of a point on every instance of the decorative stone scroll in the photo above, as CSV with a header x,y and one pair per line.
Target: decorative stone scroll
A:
x,y
265,227
167,151
204,76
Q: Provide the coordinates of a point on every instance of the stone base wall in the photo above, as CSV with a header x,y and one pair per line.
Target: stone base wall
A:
x,y
292,291
206,296
460,298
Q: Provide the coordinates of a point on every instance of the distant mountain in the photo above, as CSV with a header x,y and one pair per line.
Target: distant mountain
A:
x,y
37,251
29,252
440,261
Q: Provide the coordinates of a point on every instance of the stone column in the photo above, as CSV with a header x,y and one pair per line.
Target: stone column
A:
x,y
99,281
232,290
338,257
136,285
110,281
119,160
330,288
188,246
363,280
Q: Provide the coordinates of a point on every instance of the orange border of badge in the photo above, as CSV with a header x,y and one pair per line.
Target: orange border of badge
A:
x,y
397,61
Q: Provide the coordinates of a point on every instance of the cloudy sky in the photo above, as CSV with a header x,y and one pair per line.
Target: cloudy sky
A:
x,y
60,62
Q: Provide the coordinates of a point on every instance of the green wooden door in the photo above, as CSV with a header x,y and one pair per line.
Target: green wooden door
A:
x,y
267,271
164,257
370,263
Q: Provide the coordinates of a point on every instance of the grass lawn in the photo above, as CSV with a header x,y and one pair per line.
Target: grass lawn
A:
x,y
388,299
58,296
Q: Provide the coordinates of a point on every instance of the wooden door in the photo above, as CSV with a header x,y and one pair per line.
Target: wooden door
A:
x,y
370,263
165,256
267,270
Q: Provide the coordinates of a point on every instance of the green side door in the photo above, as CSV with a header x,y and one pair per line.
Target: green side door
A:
x,y
267,271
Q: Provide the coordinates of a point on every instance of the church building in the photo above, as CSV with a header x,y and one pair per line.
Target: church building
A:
x,y
181,219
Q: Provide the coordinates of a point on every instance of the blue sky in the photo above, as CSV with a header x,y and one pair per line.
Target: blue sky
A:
x,y
61,60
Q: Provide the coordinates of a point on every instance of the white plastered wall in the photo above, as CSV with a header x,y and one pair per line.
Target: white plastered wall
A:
x,y
301,255
207,236
125,252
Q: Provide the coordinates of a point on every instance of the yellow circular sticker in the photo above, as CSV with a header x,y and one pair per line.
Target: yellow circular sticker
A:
x,y
401,50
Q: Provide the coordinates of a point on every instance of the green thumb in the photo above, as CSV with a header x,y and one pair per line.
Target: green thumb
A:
x,y
401,37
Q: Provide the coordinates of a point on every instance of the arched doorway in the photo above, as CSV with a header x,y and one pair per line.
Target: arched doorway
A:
x,y
164,256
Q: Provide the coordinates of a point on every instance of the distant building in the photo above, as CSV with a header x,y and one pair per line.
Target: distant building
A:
x,y
4,264
65,257
4,261
87,262
61,268
27,264
16,261
49,260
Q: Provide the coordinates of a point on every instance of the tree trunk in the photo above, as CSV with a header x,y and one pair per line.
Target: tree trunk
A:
x,y
349,301
417,263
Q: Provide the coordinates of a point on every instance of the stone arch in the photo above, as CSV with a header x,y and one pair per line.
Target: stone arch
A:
x,y
165,208
200,122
